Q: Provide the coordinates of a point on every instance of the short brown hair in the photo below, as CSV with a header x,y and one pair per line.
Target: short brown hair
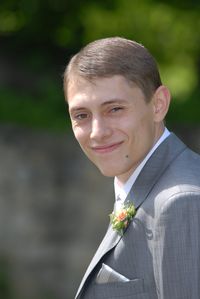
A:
x,y
115,56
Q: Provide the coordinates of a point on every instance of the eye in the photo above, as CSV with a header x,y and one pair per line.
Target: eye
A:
x,y
116,109
81,116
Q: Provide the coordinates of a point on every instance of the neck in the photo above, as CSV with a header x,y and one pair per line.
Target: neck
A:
x,y
122,179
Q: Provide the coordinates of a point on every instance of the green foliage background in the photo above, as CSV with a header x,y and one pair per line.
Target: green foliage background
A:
x,y
37,37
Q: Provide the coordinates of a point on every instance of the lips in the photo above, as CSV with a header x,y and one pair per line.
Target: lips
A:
x,y
106,148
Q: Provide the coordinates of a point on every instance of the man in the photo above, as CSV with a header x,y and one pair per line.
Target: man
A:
x,y
117,106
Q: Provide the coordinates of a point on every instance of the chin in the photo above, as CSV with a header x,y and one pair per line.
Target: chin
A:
x,y
109,171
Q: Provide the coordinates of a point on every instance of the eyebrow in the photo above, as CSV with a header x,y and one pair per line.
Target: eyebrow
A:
x,y
113,101
76,109
105,103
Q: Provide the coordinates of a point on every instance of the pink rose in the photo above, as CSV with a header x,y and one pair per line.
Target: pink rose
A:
x,y
122,215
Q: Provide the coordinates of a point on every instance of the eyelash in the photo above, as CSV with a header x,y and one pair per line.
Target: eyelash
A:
x,y
82,116
115,109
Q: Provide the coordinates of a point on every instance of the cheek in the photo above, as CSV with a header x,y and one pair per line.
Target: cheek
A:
x,y
140,131
79,134
145,123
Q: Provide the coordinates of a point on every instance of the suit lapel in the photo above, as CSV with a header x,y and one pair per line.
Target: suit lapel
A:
x,y
109,241
150,174
154,168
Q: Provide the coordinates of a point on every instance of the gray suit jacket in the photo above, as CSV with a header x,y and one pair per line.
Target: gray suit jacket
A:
x,y
160,251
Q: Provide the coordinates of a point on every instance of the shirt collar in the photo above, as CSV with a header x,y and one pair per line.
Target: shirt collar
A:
x,y
122,191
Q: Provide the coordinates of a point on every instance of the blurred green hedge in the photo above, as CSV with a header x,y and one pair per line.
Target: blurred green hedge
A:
x,y
38,37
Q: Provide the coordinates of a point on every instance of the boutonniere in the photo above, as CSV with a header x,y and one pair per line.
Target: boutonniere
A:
x,y
121,219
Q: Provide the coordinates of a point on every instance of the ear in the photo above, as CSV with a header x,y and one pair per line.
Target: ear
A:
x,y
161,101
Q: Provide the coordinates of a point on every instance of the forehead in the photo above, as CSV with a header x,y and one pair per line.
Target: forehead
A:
x,y
104,87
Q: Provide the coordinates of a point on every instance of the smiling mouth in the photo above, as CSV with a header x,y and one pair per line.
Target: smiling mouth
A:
x,y
106,148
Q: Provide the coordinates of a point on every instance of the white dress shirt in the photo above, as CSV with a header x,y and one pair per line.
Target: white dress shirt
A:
x,y
121,191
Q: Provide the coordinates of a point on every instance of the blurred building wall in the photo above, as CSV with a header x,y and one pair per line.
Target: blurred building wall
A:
x,y
54,207
53,213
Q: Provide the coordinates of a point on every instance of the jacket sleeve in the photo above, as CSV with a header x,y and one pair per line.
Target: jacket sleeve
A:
x,y
176,254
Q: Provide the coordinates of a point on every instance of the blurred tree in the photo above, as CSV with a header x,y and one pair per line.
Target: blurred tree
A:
x,y
169,31
38,36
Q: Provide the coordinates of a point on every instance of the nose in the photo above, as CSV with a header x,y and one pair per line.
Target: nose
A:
x,y
100,129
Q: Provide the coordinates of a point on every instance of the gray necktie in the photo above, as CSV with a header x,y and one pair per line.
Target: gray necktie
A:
x,y
118,203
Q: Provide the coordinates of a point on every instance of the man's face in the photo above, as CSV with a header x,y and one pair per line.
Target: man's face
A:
x,y
113,124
